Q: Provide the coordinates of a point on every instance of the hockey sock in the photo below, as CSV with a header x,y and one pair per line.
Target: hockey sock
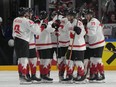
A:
x,y
80,66
93,65
86,66
100,66
46,66
70,67
19,67
23,65
61,66
33,63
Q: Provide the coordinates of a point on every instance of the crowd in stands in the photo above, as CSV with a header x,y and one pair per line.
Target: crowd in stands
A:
x,y
6,50
108,10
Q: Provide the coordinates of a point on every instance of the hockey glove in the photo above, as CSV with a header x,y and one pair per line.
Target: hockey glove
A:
x,y
77,30
37,21
58,21
44,25
84,22
55,25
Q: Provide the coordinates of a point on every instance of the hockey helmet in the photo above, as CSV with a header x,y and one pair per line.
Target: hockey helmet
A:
x,y
30,10
43,15
22,11
53,14
89,11
65,12
72,13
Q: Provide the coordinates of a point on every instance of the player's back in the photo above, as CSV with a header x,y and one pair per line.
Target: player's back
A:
x,y
20,28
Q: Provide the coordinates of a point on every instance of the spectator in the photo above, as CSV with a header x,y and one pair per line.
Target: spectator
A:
x,y
3,58
112,18
1,29
9,40
70,5
8,29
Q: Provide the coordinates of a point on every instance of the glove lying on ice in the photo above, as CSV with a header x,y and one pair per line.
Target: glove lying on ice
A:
x,y
77,30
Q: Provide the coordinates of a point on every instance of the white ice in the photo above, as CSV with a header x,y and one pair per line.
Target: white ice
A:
x,y
10,79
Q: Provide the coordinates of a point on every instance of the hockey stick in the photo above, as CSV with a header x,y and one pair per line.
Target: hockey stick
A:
x,y
106,9
110,51
57,39
71,50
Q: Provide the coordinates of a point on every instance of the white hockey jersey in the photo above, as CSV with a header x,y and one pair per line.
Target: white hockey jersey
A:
x,y
79,41
23,27
95,34
53,34
44,40
64,37
32,43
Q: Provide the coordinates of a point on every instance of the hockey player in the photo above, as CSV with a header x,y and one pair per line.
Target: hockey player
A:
x,y
32,54
64,40
75,55
88,52
44,47
58,40
96,44
22,29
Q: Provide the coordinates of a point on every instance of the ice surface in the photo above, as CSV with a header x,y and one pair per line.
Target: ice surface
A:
x,y
10,79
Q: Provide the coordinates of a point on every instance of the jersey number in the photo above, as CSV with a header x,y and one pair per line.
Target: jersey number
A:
x,y
17,29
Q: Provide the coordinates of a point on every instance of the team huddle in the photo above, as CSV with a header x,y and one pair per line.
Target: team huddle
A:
x,y
77,43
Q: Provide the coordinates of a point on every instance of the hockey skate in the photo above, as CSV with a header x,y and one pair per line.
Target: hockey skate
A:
x,y
61,76
80,79
35,79
97,78
46,79
101,78
68,79
28,76
24,80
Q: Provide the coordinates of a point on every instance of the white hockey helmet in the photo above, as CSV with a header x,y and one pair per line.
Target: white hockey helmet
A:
x,y
0,19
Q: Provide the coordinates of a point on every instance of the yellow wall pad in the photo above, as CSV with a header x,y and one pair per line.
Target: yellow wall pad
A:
x,y
14,68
